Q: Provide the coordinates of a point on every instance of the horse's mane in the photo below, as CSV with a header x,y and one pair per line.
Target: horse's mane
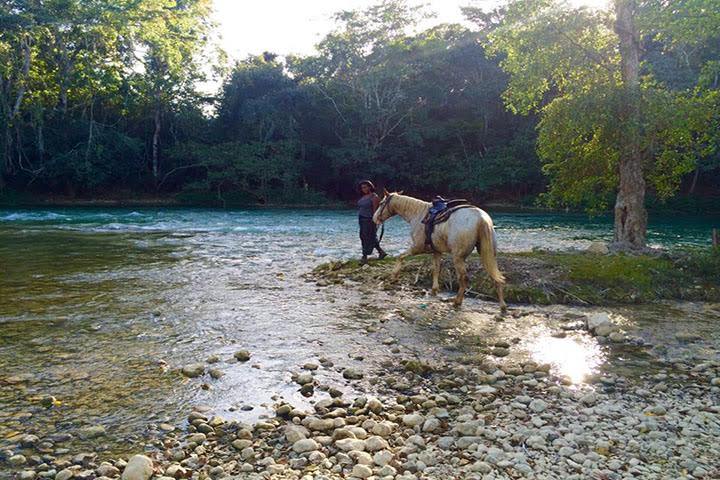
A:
x,y
409,205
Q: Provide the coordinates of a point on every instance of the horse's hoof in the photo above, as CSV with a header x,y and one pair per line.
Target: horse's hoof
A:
x,y
503,308
434,292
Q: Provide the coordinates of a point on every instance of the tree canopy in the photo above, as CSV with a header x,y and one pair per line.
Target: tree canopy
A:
x,y
102,98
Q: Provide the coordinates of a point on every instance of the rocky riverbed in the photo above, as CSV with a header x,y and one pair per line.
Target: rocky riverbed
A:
x,y
441,411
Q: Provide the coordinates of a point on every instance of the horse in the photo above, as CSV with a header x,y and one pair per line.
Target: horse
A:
x,y
465,230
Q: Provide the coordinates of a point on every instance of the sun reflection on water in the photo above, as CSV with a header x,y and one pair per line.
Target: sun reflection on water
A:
x,y
575,358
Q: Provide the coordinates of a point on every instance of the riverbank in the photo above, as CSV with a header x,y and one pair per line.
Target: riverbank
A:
x,y
550,277
432,416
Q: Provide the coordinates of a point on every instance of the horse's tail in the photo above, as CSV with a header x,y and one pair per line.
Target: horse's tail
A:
x,y
487,249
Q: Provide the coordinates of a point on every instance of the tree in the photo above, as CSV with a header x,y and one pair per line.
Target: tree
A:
x,y
607,126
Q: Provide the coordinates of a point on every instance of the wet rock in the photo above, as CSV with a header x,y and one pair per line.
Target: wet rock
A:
x,y
304,378
107,470
311,366
352,374
65,474
91,432
242,355
216,373
17,460
27,475
139,467
197,438
194,370
29,440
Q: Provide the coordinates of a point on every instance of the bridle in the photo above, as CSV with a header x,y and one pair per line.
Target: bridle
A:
x,y
382,209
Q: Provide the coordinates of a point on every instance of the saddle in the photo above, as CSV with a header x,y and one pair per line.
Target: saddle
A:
x,y
440,212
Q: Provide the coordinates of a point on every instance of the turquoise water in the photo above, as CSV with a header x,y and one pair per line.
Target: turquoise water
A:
x,y
100,307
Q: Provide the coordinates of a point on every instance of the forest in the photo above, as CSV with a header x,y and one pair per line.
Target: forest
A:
x,y
523,104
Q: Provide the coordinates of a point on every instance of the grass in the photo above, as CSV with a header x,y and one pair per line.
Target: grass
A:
x,y
561,277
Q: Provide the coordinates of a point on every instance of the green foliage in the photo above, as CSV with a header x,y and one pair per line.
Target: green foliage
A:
x,y
563,63
101,95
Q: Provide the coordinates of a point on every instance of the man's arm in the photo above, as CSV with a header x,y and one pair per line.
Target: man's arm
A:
x,y
376,202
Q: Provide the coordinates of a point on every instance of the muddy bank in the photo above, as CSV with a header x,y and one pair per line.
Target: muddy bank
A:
x,y
544,277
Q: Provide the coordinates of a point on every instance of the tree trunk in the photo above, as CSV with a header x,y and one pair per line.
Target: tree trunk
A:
x,y
630,213
156,143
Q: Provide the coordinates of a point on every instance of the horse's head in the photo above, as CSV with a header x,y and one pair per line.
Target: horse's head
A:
x,y
386,209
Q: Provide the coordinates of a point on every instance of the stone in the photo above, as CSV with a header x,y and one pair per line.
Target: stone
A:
x,y
304,378
305,445
194,370
17,460
197,438
242,355
431,425
374,405
349,444
361,471
481,467
412,419
293,433
375,443
589,398
321,424
241,444
537,405
382,458
598,248
352,374
139,467
107,470
65,474
216,373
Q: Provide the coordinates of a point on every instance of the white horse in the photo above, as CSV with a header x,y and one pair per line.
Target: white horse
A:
x,y
465,230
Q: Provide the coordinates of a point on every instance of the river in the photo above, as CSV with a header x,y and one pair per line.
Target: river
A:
x,y
100,307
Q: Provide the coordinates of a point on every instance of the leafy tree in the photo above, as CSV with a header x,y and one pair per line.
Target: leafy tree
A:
x,y
607,125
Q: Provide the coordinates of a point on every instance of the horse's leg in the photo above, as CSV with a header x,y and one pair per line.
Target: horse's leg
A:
x,y
398,264
501,296
461,271
437,258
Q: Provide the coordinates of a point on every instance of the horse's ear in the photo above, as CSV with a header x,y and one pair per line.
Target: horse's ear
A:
x,y
401,192
385,192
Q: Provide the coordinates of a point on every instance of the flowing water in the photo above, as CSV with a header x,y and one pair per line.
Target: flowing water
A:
x,y
100,307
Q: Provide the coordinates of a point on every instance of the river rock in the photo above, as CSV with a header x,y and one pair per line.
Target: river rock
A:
x,y
352,374
107,470
91,432
538,405
242,355
361,471
216,373
412,419
17,460
375,443
598,248
305,445
65,474
293,433
349,444
193,370
139,467
304,378
321,424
